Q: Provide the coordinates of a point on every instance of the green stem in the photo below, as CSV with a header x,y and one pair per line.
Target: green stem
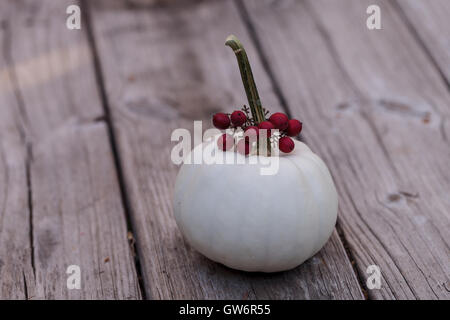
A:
x,y
247,78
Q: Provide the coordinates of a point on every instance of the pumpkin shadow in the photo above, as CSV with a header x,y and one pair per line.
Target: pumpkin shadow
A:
x,y
302,282
289,284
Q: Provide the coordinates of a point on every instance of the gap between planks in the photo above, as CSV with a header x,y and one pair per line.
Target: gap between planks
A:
x,y
7,53
113,143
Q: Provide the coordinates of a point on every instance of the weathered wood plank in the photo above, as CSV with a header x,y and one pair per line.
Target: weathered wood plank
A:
x,y
430,20
373,107
165,67
59,195
15,250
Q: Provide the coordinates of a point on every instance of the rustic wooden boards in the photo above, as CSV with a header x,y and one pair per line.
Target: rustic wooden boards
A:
x,y
374,105
374,108
59,196
165,66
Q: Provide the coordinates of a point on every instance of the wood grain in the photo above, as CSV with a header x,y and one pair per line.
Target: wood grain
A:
x,y
429,21
165,66
59,196
374,107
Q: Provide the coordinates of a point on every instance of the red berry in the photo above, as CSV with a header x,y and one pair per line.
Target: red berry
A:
x,y
221,121
294,127
243,147
267,125
286,144
225,142
279,120
238,118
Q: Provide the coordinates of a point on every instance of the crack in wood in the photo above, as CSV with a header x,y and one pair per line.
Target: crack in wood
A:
x,y
25,286
351,259
28,161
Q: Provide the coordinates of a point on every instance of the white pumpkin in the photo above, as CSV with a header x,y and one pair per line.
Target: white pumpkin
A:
x,y
234,215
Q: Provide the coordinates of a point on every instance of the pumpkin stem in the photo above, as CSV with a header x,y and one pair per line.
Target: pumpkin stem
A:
x,y
248,81
247,78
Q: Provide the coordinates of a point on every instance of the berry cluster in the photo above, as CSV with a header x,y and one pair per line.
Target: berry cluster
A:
x,y
242,119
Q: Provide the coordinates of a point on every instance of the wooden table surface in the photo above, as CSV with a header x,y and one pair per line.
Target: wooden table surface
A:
x,y
86,117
